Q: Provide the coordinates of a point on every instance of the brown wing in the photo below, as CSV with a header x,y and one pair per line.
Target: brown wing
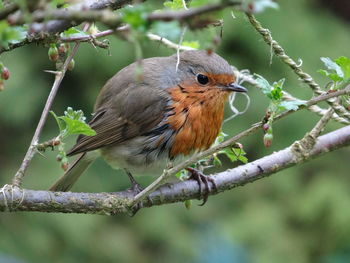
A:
x,y
131,112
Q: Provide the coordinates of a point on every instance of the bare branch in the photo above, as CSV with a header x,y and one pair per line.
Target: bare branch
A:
x,y
167,42
15,199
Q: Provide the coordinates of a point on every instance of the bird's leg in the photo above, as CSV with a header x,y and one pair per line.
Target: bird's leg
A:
x,y
200,178
135,188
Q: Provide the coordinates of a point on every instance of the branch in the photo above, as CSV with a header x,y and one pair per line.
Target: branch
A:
x,y
106,16
15,199
59,75
306,78
41,31
59,20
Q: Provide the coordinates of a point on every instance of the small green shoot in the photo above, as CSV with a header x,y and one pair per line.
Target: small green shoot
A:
x,y
277,105
339,72
71,123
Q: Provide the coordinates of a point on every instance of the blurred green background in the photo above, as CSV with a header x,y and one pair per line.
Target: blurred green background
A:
x,y
301,214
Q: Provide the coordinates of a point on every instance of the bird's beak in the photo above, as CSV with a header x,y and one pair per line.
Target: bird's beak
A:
x,y
235,87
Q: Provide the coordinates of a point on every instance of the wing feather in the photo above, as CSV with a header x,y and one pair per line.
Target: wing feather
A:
x,y
130,113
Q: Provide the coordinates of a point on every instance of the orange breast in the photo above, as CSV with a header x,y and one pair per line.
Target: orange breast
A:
x,y
198,115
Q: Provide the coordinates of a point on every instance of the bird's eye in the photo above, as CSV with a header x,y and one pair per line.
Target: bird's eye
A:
x,y
202,79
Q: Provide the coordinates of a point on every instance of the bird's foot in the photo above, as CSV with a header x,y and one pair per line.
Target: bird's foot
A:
x,y
200,178
136,188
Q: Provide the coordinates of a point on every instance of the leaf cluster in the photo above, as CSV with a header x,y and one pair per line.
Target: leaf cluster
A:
x,y
72,123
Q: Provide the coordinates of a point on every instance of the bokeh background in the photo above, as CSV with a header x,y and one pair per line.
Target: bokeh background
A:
x,y
301,214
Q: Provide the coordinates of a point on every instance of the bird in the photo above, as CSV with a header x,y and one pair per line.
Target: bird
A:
x,y
174,110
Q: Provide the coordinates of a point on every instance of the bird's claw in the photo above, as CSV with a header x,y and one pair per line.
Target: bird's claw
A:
x,y
136,188
200,178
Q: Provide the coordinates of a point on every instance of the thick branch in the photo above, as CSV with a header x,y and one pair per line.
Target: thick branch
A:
x,y
16,199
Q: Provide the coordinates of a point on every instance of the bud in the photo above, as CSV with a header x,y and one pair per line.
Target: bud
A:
x,y
53,53
62,49
64,166
71,65
56,142
266,127
93,30
188,204
251,7
5,73
268,137
59,158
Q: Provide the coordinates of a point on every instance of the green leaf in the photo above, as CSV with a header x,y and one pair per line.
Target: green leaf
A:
x,y
243,159
73,122
291,105
263,84
182,175
11,35
174,5
276,91
73,32
74,126
333,66
188,204
344,64
333,76
136,16
230,154
170,30
217,161
192,44
197,3
58,3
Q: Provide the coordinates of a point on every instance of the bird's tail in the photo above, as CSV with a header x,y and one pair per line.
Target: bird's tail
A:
x,y
75,170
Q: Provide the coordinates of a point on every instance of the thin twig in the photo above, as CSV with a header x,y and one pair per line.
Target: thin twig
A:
x,y
172,171
14,199
167,42
318,110
18,178
280,53
178,47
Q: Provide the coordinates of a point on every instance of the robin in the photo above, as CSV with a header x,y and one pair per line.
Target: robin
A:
x,y
174,111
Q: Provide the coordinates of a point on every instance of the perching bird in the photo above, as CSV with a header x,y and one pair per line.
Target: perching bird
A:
x,y
171,113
